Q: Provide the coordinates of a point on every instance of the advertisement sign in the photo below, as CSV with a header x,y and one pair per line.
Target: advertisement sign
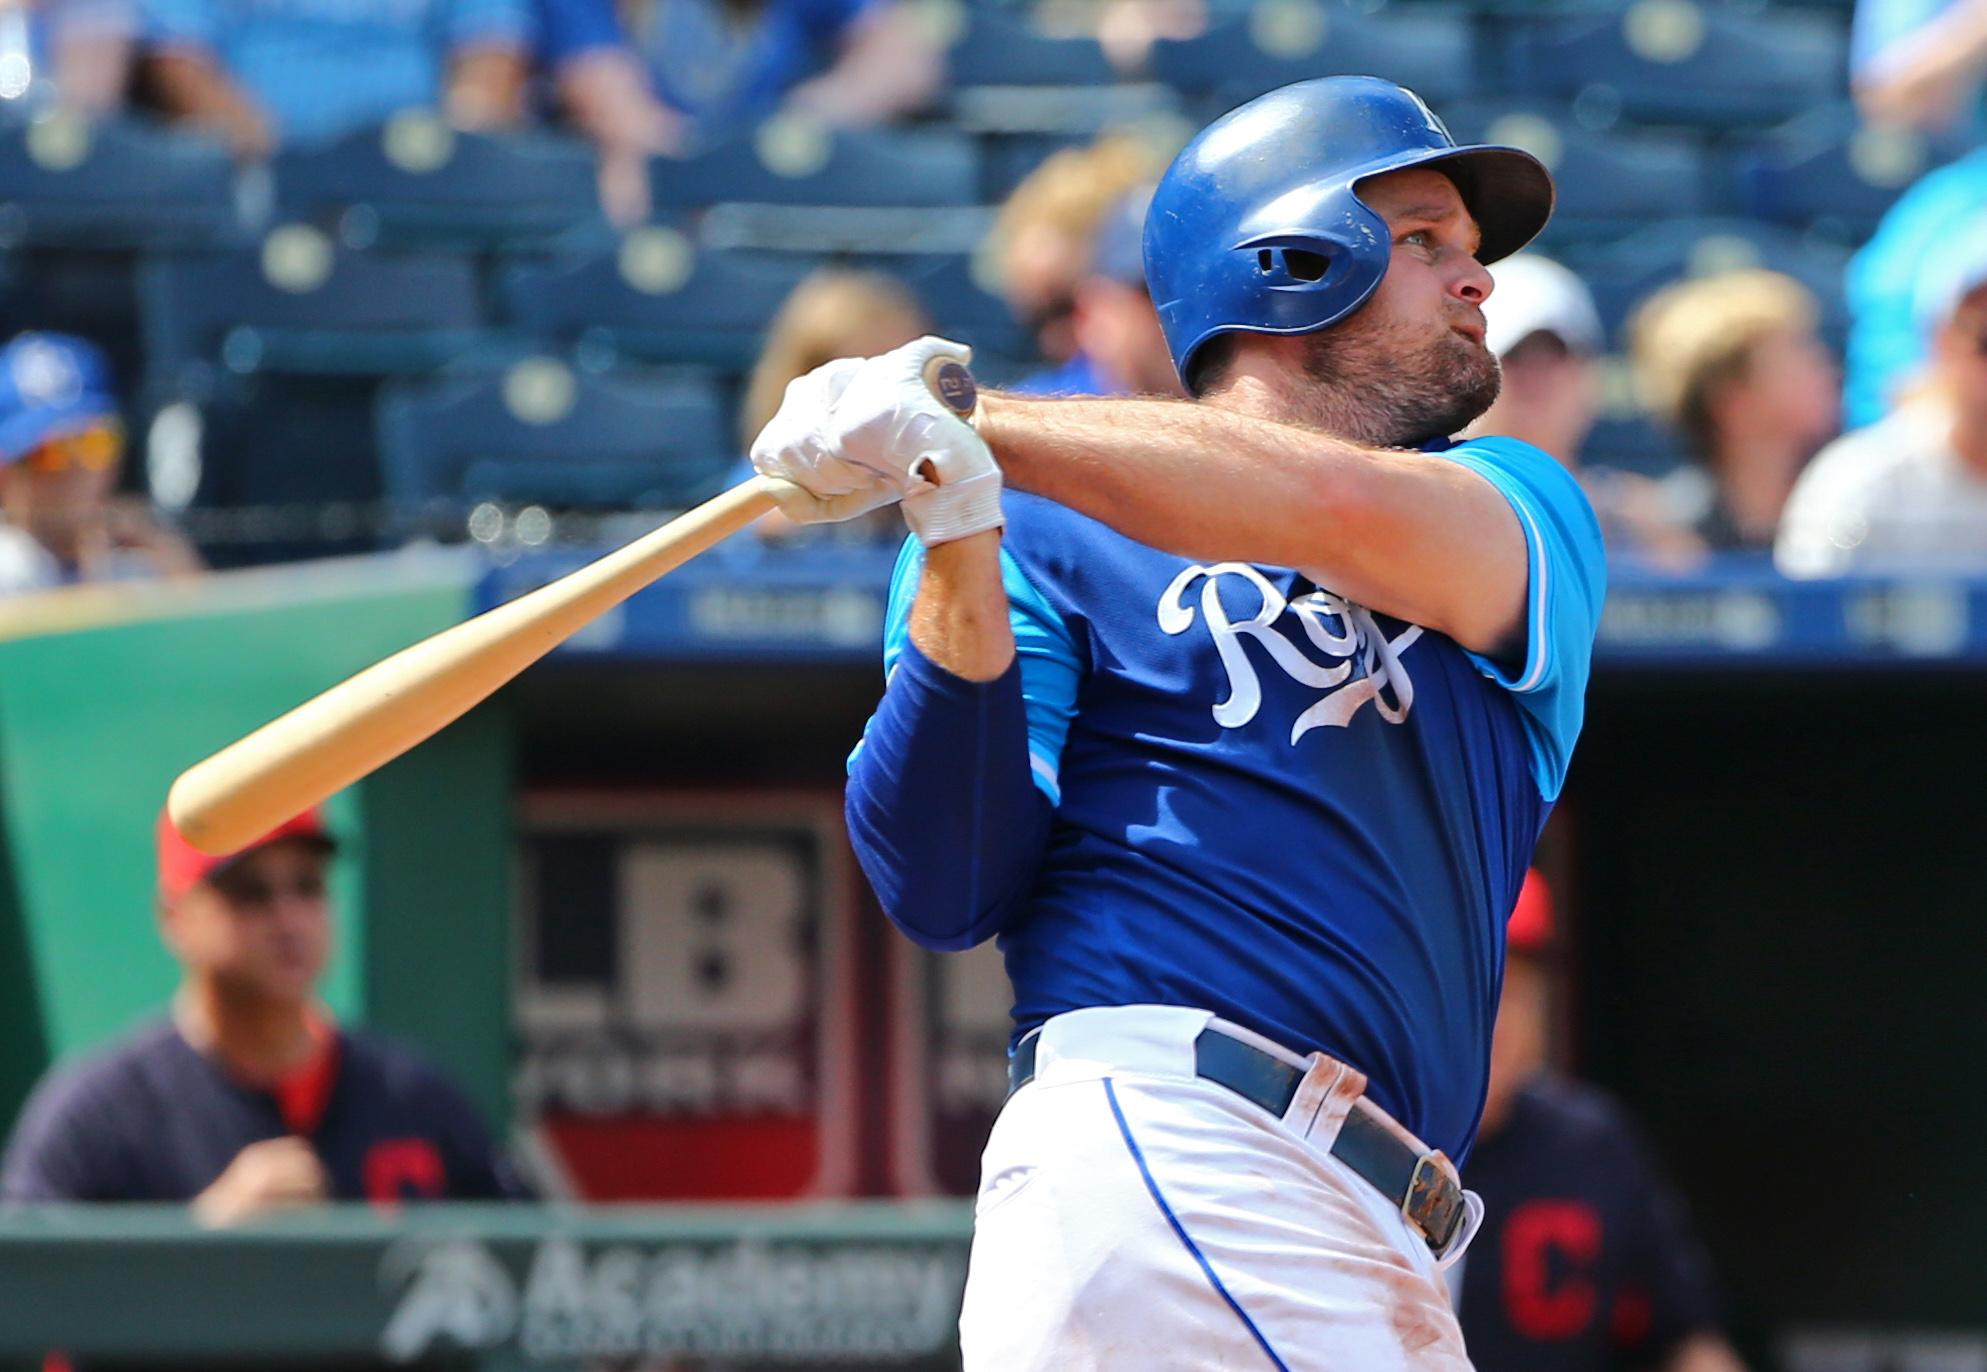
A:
x,y
952,1064
682,993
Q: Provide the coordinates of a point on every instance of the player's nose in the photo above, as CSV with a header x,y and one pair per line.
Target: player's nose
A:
x,y
1470,281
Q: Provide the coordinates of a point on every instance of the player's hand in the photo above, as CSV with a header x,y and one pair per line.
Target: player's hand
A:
x,y
271,1174
887,421
812,482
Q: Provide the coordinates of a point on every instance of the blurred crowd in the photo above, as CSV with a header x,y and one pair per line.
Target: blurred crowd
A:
x,y
1826,445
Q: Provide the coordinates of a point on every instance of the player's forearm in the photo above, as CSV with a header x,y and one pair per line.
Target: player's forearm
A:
x,y
959,619
1922,78
942,807
1410,535
486,85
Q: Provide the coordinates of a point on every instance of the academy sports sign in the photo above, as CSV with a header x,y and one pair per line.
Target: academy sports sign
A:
x,y
869,1304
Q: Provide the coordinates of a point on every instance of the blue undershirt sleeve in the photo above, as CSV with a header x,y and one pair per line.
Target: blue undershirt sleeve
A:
x,y
1567,582
952,787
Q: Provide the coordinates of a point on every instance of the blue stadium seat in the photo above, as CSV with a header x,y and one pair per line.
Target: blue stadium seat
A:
x,y
792,160
962,305
1830,170
1279,41
1680,61
991,48
654,296
1604,179
1633,443
542,433
299,303
72,184
1627,271
417,182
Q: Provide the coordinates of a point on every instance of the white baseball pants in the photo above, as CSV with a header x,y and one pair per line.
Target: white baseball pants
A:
x,y
1135,1217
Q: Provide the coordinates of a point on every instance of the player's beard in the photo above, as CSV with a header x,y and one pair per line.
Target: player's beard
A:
x,y
1378,386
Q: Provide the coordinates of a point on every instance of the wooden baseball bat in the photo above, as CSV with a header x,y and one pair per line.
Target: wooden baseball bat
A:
x,y
293,762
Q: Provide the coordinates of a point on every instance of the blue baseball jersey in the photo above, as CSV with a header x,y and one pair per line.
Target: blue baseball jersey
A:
x,y
1277,805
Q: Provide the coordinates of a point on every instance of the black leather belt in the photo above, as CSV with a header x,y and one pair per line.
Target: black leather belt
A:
x,y
1421,1184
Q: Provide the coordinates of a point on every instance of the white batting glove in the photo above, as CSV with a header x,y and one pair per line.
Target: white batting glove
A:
x,y
887,421
814,484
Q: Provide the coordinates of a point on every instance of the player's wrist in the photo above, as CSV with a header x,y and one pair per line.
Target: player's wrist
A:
x,y
956,510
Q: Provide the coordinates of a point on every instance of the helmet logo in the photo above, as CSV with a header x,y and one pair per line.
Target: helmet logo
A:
x,y
1435,125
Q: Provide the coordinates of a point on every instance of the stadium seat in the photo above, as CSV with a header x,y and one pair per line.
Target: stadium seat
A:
x,y
795,160
1679,61
1625,272
1830,170
986,47
286,467
539,432
417,182
1604,179
1279,41
68,183
963,303
299,303
1633,443
653,296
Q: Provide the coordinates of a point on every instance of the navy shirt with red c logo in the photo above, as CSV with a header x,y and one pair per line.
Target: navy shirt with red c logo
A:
x,y
152,1119
1586,1262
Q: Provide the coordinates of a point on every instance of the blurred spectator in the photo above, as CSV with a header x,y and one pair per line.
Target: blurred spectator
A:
x,y
1542,324
72,53
61,445
1120,346
259,73
247,1098
1127,29
1734,362
1040,244
661,75
1920,62
1585,1262
833,313
1912,488
1886,345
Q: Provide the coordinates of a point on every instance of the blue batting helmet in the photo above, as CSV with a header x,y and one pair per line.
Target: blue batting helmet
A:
x,y
1258,227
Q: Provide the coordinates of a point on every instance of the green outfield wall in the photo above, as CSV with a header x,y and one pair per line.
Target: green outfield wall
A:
x,y
105,698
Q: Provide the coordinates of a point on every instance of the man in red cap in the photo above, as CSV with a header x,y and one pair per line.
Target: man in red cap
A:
x,y
1585,1262
247,1098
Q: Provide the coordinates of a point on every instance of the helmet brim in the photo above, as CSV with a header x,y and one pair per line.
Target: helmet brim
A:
x,y
1507,191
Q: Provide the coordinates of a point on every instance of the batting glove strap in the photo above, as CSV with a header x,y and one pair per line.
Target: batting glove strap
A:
x,y
969,505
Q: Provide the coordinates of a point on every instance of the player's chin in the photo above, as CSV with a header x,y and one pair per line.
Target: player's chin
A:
x,y
1474,375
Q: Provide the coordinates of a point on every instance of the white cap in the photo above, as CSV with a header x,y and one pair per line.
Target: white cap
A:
x,y
1536,295
1952,275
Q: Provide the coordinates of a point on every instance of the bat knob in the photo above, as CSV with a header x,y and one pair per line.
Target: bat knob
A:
x,y
953,384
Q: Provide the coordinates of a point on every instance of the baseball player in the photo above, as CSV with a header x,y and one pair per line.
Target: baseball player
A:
x,y
1238,740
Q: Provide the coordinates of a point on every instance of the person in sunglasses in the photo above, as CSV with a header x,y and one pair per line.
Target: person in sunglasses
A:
x,y
246,1098
1910,491
61,449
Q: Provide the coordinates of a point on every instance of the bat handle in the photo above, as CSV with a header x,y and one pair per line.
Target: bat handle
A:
x,y
948,378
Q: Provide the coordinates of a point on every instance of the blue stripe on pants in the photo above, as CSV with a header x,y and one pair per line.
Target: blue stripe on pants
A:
x,y
1153,1186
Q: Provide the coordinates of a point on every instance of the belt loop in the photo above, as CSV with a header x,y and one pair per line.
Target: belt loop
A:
x,y
1323,1097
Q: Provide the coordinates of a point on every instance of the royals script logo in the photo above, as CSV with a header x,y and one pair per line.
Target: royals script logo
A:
x,y
1365,664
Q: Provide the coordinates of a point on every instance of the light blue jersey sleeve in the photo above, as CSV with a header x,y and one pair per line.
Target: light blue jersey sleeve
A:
x,y
1051,667
1568,579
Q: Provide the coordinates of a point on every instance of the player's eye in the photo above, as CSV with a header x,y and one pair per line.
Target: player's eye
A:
x,y
1420,238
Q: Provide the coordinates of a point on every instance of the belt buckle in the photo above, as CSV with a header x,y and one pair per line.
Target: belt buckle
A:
x,y
1434,1203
